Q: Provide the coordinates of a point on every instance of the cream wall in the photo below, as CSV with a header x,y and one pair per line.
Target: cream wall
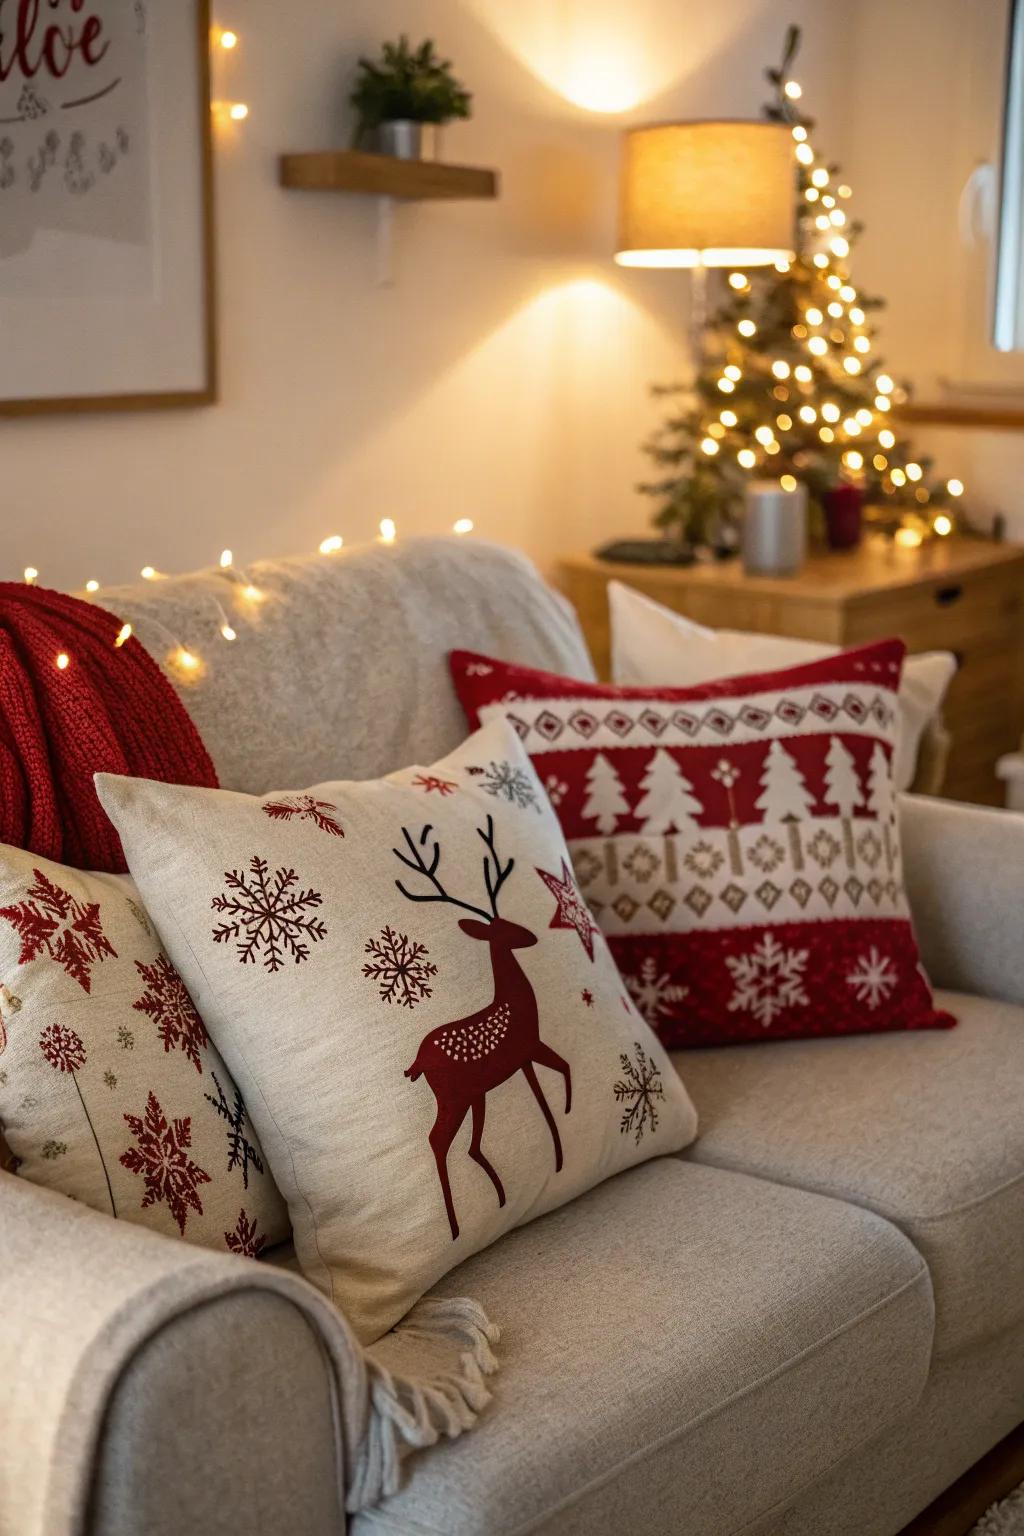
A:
x,y
503,377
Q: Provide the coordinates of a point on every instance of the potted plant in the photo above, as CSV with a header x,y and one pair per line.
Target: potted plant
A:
x,y
402,99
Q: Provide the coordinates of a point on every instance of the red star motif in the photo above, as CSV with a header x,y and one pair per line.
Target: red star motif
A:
x,y
572,911
430,782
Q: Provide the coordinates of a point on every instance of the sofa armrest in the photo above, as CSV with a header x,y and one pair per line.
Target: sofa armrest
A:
x,y
147,1385
964,868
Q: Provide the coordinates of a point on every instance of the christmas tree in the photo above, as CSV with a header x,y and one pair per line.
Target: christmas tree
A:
x,y
789,386
668,803
605,800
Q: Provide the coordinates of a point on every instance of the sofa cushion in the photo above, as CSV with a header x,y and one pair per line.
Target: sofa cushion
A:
x,y
682,1349
926,1130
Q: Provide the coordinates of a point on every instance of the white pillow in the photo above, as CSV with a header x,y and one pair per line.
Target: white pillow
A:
x,y
652,647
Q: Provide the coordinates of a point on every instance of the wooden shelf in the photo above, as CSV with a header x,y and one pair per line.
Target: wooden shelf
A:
x,y
349,170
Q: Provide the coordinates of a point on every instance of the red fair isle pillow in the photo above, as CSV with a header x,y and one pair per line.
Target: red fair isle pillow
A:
x,y
737,841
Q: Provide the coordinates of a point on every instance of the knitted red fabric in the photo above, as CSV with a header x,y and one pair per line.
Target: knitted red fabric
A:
x,y
111,710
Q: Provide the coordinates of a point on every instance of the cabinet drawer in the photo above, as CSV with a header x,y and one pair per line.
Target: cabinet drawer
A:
x,y
942,613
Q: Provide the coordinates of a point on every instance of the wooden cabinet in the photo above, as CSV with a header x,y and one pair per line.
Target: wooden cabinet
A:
x,y
960,595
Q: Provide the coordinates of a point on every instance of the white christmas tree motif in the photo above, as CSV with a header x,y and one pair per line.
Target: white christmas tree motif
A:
x,y
843,789
881,800
654,994
768,980
873,978
785,797
668,803
605,800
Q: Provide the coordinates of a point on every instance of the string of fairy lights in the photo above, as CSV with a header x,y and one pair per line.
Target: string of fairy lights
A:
x,y
819,331
184,660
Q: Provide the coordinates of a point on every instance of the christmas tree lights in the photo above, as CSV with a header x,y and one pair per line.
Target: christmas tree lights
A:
x,y
789,386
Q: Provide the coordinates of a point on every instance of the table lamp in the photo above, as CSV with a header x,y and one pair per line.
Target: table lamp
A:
x,y
706,194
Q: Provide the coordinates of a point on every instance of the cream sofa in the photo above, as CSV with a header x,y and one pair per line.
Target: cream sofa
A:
x,y
807,1326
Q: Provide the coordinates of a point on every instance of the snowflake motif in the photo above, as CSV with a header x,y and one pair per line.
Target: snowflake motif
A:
x,y
641,863
766,854
654,994
726,773
125,1038
243,1240
162,1159
572,911
110,1078
703,860
51,1150
587,997
400,967
267,914
768,980
506,781
557,788
68,930
62,1048
240,1151
873,978
637,1090
431,784
823,848
306,808
168,1004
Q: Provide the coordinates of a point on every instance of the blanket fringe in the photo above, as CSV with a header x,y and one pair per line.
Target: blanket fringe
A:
x,y
410,1415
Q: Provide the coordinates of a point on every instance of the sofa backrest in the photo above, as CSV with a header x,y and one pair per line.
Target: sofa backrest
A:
x,y
339,669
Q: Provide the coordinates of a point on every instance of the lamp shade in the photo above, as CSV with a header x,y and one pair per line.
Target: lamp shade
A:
x,y
715,194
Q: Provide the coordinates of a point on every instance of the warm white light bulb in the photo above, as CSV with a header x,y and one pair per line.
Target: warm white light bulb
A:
x,y
837,217
907,538
238,111
31,575
861,344
252,593
92,586
186,659
864,416
331,545
851,426
844,190
747,328
887,438
388,530
780,369
808,413
812,194
898,477
726,386
820,177
462,525
805,154
835,309
788,482
851,364
229,40
728,418
148,573
943,525
820,259
764,435
818,345
63,661
823,221
800,133
228,632
914,472
737,280
848,292
747,458
803,373
857,316
839,245
853,459
830,411
813,316
226,559
793,89
123,634
883,403
826,434
884,384
709,446
955,487
732,372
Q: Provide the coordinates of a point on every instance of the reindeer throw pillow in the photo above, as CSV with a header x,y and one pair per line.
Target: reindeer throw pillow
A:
x,y
432,1037
738,840
110,1088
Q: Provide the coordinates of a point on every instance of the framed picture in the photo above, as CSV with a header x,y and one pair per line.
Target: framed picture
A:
x,y
107,297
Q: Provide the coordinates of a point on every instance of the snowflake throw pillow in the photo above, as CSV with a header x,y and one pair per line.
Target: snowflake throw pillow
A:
x,y
737,841
110,1089
434,1040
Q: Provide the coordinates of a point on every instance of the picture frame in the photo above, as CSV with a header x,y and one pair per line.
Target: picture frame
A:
x,y
107,241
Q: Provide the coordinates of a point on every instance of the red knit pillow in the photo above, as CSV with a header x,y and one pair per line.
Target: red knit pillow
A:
x,y
736,841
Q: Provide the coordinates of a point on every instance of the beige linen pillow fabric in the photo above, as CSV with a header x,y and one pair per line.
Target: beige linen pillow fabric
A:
x,y
653,647
429,1028
110,1089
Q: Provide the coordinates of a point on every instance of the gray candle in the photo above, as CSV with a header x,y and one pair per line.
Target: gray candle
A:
x,y
774,529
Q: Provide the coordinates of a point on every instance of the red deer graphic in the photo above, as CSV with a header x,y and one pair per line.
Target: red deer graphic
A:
x,y
462,1061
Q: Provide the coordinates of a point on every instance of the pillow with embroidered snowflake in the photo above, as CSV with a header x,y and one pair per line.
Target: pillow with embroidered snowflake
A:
x,y
738,840
426,1022
110,1089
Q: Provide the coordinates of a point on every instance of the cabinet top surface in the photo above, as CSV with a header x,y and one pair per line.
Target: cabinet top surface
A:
x,y
876,565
